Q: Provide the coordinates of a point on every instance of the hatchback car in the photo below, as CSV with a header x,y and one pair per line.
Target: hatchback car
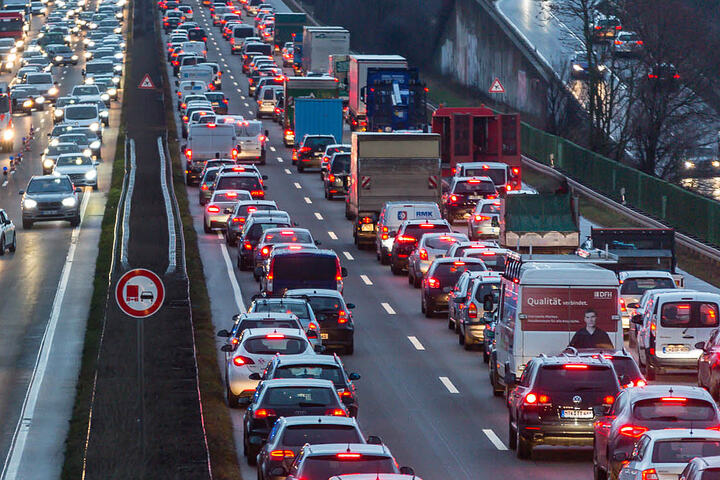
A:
x,y
311,150
484,222
480,304
291,306
407,238
236,220
459,202
220,208
335,180
440,280
333,314
273,236
430,247
320,462
81,169
251,234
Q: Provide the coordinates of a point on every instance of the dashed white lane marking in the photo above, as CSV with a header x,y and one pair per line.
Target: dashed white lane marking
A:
x,y
247,104
388,308
307,200
298,186
449,385
494,439
242,97
365,280
4,184
279,159
318,216
272,149
348,256
416,343
287,170
332,235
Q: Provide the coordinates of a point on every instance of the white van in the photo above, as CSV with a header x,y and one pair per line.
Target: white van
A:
x,y
500,173
548,306
201,72
188,87
671,330
392,215
251,141
206,141
634,283
84,115
198,48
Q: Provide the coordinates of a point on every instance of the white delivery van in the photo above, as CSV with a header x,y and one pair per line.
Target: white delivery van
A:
x,y
500,173
188,87
201,72
548,306
395,213
198,48
634,283
206,141
251,141
672,329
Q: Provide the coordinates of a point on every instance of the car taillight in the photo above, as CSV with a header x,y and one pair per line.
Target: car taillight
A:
x,y
213,209
240,361
265,251
650,474
247,246
281,454
264,413
305,149
257,193
609,400
535,399
331,178
632,431
342,316
603,426
204,186
622,305
238,220
453,198
234,153
618,42
481,218
472,311
423,254
345,393
336,412
433,282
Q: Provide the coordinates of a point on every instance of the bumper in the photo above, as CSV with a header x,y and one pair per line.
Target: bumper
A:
x,y
438,300
486,231
336,337
686,363
474,333
48,215
216,221
264,109
239,382
310,162
563,434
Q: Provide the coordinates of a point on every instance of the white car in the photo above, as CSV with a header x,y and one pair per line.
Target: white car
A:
x,y
484,222
254,349
44,82
221,206
86,93
634,283
430,246
8,238
663,454
81,169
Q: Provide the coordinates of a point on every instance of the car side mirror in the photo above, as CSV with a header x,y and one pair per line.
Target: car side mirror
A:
x,y
223,333
350,305
354,376
633,305
278,472
255,376
237,315
78,190
343,272
22,192
637,319
407,471
700,345
374,440
620,456
227,348
258,271
319,348
264,177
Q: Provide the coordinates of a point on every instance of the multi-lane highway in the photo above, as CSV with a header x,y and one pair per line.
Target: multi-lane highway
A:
x,y
45,297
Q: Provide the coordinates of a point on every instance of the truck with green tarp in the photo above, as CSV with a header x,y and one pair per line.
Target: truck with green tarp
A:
x,y
545,223
288,28
311,87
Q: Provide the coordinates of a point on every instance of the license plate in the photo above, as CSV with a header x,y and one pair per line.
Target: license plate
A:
x,y
323,336
367,227
475,197
675,349
576,413
49,212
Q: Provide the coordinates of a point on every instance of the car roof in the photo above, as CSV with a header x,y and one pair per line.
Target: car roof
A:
x,y
268,316
375,476
261,332
464,260
682,434
317,292
279,300
474,177
655,391
323,252
708,461
317,419
624,275
299,382
306,359
682,294
481,164
333,448
572,359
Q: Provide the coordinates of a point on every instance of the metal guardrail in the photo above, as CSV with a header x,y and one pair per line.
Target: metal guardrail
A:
x,y
684,240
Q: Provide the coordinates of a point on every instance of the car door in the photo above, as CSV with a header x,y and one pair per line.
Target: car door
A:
x,y
705,360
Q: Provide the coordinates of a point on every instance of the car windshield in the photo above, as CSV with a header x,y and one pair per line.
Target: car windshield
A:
x,y
323,372
557,378
638,286
287,236
74,161
298,309
299,435
497,175
684,450
39,79
689,315
238,183
449,272
79,139
674,409
86,90
326,466
474,186
81,112
298,397
305,267
59,149
270,346
50,185
96,68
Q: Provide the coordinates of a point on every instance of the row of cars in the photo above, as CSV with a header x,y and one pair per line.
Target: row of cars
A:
x,y
301,402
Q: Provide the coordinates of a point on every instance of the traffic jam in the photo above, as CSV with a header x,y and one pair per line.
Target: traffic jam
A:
x,y
574,333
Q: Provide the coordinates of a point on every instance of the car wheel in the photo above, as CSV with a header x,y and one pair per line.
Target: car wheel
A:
x,y
242,263
2,245
417,282
95,187
486,356
233,400
512,437
422,304
714,391
75,221
524,448
206,228
411,277
495,382
252,453
300,168
457,327
429,311
466,345
13,245
27,224
461,339
451,324
384,260
650,372
350,349
599,473
395,270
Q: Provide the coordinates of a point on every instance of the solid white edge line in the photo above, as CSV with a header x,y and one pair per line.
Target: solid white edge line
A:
x,y
231,273
416,343
127,207
449,385
388,308
27,413
366,280
172,235
494,439
348,256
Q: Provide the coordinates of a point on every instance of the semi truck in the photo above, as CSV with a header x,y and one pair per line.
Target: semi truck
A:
x,y
321,42
357,81
543,224
338,68
395,99
288,27
311,87
315,116
386,167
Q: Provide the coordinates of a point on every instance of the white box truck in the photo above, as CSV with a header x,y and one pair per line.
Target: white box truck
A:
x,y
357,81
206,141
321,42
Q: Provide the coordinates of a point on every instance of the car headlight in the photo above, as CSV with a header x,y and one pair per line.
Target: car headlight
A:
x,y
94,126
95,145
40,99
48,163
112,91
58,113
29,203
105,97
117,68
116,79
58,58
53,91
19,43
87,54
87,152
577,68
8,134
118,56
12,57
118,30
9,65
69,201
53,142
602,68
74,57
89,81
104,113
90,175
28,103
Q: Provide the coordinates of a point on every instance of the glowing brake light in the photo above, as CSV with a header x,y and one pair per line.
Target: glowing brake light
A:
x,y
472,311
673,399
453,198
609,400
426,225
336,412
331,178
238,220
458,263
264,413
231,194
474,181
632,431
286,232
275,336
348,456
213,209
650,474
247,246
575,366
265,251
240,361
622,305
481,218
405,239
423,254
281,454
433,282
532,398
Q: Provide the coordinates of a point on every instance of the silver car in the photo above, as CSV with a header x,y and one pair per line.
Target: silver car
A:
x,y
49,198
221,206
484,222
82,170
430,246
296,306
53,151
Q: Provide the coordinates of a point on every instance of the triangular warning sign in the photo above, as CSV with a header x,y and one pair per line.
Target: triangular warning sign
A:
x,y
146,83
496,87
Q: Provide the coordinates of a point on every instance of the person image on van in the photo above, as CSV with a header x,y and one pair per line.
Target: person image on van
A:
x,y
590,336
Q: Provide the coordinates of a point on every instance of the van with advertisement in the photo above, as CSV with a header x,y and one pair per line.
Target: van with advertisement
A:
x,y
548,306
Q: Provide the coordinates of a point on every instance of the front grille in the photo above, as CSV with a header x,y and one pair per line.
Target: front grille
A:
x,y
49,205
77,178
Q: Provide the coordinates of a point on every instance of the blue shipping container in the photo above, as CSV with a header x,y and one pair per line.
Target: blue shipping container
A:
x,y
315,116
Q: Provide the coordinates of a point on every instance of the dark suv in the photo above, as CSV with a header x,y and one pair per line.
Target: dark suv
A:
x,y
252,233
407,238
310,152
440,279
557,401
459,202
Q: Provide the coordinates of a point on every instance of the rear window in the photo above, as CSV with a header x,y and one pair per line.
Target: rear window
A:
x,y
246,210
299,435
689,315
249,130
417,231
243,32
559,378
673,409
325,304
682,451
490,208
492,289
268,324
472,186
448,273
497,175
300,310
287,236
271,346
261,48
638,286
493,261
238,183
711,474
625,368
325,466
305,267
231,197
318,143
340,164
258,228
443,242
322,372
210,176
299,397
268,94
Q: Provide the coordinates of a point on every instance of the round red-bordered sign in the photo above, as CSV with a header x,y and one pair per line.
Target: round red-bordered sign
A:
x,y
139,293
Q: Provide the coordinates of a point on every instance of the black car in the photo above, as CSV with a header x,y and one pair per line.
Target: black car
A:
x,y
333,315
440,279
324,367
557,401
335,180
406,240
463,195
310,151
252,233
286,398
197,35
